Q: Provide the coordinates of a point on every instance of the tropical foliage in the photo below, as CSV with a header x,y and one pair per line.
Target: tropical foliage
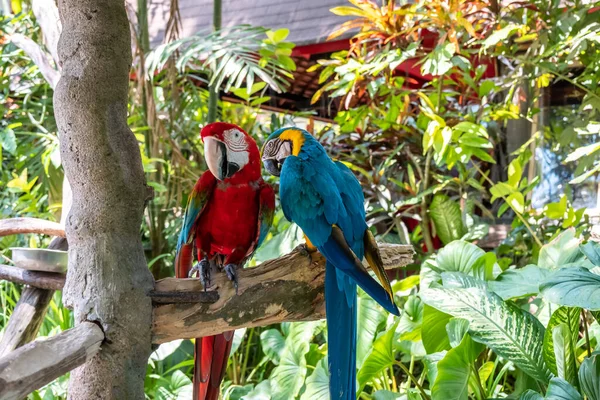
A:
x,y
431,148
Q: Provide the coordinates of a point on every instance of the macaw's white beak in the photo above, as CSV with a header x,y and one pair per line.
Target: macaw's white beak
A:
x,y
215,154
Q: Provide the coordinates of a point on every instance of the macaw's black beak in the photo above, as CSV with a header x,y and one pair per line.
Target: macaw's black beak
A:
x,y
272,166
215,153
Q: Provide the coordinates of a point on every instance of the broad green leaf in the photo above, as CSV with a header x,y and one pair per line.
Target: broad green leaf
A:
x,y
574,287
458,256
387,395
238,336
288,377
514,173
447,218
521,282
262,391
379,358
431,362
438,62
569,317
8,140
485,371
560,389
589,376
272,343
369,316
564,353
433,330
499,35
583,151
412,315
406,283
461,281
454,370
564,249
531,395
516,200
505,328
592,251
317,384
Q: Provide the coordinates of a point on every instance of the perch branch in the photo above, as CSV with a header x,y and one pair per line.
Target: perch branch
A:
x,y
34,365
13,226
38,279
289,288
26,319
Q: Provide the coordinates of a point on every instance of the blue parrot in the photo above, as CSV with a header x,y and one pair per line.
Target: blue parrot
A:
x,y
326,201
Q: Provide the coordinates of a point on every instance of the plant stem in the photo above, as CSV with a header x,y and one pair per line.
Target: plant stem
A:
x,y
424,213
412,378
478,380
523,220
246,355
587,335
234,370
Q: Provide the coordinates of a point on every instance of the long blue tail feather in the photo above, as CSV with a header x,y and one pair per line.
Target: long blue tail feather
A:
x,y
336,255
340,308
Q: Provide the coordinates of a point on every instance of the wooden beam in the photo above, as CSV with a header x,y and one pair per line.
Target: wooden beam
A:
x,y
289,288
36,364
38,279
26,319
13,226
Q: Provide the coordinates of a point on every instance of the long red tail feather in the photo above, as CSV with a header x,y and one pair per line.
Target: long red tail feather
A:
x,y
211,354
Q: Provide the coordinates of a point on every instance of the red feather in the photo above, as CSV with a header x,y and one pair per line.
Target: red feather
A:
x,y
224,217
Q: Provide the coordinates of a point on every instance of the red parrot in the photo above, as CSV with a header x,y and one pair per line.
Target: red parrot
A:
x,y
228,215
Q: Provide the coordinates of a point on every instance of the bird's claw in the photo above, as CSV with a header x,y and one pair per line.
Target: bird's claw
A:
x,y
304,250
230,270
203,269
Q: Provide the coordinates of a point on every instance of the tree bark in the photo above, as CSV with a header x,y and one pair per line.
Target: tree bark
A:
x,y
107,279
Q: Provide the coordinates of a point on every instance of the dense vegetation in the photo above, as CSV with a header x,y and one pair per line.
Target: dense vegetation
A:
x,y
436,171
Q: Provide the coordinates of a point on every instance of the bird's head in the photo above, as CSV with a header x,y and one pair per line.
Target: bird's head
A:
x,y
229,151
280,145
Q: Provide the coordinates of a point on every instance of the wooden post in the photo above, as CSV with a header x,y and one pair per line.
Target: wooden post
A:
x,y
38,363
26,319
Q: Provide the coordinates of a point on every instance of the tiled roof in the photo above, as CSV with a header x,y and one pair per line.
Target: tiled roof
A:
x,y
309,21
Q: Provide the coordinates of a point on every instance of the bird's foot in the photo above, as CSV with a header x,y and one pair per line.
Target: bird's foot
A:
x,y
231,271
203,269
305,250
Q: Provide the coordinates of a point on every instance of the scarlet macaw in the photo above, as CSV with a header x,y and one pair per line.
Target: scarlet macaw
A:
x,y
325,200
228,215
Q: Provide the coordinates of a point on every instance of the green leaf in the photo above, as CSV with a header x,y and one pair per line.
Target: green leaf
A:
x,y
457,256
569,317
521,282
560,389
262,391
564,353
379,358
461,281
369,316
574,287
564,249
499,35
317,384
592,251
583,151
412,315
288,377
8,140
589,376
279,35
531,395
509,331
433,330
438,62
447,218
454,370
272,343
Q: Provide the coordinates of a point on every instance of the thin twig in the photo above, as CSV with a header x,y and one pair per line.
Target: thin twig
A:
x,y
587,335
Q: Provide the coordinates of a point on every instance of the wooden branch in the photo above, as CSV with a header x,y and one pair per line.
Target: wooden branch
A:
x,y
36,364
289,288
26,319
13,226
38,279
39,57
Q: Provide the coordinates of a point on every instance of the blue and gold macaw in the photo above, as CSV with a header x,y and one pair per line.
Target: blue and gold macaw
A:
x,y
325,200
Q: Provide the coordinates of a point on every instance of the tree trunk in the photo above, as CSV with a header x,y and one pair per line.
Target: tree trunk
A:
x,y
107,280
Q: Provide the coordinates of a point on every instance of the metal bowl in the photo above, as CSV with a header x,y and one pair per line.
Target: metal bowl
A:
x,y
40,259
